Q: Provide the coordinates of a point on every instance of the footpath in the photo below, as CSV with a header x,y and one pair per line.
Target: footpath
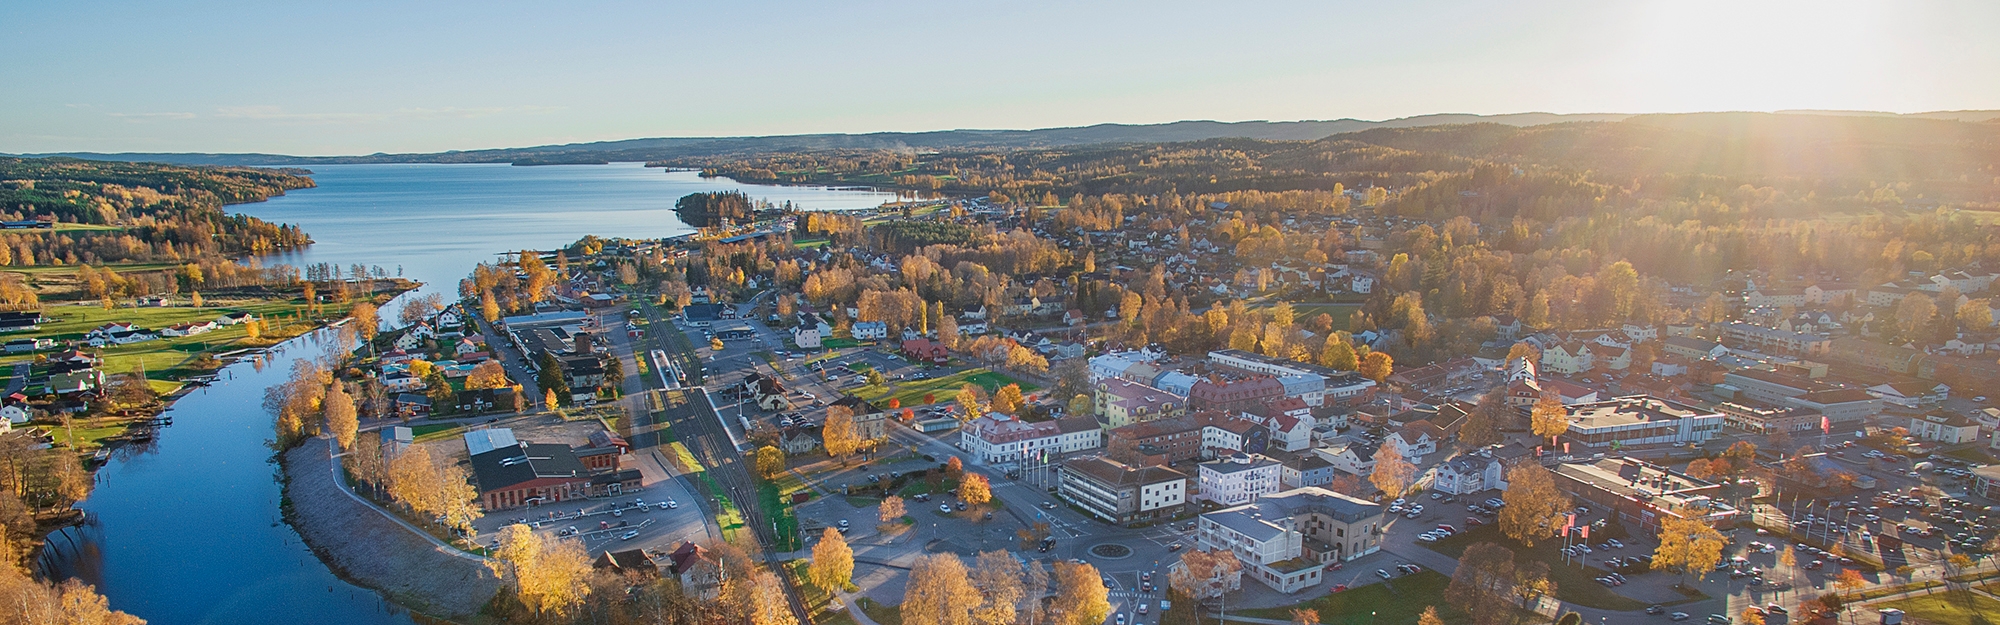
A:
x,y
369,547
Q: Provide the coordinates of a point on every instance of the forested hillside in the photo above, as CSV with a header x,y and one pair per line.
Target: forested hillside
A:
x,y
117,212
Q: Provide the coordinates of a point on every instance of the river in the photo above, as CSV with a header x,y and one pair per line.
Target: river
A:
x,y
189,530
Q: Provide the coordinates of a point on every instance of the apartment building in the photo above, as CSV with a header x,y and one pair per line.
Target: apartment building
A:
x,y
1286,540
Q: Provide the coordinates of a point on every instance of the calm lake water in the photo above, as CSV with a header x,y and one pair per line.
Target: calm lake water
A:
x,y
189,531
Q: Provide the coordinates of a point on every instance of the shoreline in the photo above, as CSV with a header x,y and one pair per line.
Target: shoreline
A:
x,y
362,546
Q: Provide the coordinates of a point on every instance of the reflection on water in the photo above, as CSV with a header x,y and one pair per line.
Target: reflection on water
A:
x,y
188,529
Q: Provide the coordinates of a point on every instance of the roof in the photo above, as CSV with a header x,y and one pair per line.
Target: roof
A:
x,y
1630,410
1075,424
508,466
482,441
1113,473
627,560
1836,396
1237,464
1950,419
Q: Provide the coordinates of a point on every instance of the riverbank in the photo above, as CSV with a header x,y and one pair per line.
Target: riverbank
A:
x,y
368,548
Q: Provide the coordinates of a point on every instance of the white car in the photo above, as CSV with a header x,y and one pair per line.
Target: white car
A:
x,y
672,505
945,508
629,535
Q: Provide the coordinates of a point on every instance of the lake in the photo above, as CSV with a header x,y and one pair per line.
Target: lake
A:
x,y
189,531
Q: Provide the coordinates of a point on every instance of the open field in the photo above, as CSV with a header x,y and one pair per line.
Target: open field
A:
x,y
1957,608
911,392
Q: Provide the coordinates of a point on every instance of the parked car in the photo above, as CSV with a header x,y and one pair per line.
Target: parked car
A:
x,y
629,535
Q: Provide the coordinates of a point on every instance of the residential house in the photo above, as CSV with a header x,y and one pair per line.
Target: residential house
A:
x,y
701,573
1470,472
869,330
1151,443
1946,428
1693,348
1353,457
1911,395
1122,402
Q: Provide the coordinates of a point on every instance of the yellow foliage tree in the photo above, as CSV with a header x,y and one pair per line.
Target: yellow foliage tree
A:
x,y
547,575
1081,598
1550,418
832,565
939,592
1008,400
489,374
341,419
1535,507
1688,544
974,490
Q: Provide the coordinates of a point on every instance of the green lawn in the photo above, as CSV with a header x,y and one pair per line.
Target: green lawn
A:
x,y
1304,312
434,431
911,392
1573,584
162,358
1957,608
777,508
1399,600
90,433
881,614
1971,454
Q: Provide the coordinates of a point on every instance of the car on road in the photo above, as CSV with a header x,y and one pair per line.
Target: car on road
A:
x,y
1384,574
1142,608
629,535
945,508
1655,609
843,525
1174,547
1678,616
671,504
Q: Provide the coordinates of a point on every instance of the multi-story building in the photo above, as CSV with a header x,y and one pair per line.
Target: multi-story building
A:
x,y
1642,493
999,439
1568,358
1122,493
1470,472
1765,339
1297,378
1911,395
1693,348
1354,457
1234,395
1123,402
1238,478
1162,442
1298,469
1766,419
1640,420
1772,387
1840,406
1287,539
1946,428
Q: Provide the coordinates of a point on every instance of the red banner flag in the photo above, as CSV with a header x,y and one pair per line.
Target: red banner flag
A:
x,y
1565,447
1825,425
1586,533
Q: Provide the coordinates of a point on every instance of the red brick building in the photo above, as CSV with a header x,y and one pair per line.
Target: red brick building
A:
x,y
1234,395
1155,443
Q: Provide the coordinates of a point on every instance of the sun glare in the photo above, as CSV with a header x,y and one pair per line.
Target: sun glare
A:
x,y
1755,55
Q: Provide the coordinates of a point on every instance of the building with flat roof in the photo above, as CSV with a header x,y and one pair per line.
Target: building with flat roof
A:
x,y
1122,493
1642,493
1333,385
1639,420
1234,395
1844,405
1287,539
1166,441
1238,479
541,473
1761,338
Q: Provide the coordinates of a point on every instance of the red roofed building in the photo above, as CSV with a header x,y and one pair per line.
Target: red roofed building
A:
x,y
1234,395
925,349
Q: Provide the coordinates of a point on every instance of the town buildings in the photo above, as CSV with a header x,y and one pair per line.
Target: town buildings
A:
x,y
1237,479
1639,420
1946,428
1470,472
1642,494
1286,540
1162,442
1123,493
1122,402
1000,439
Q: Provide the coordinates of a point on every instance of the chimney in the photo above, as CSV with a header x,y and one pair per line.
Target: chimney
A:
x,y
583,343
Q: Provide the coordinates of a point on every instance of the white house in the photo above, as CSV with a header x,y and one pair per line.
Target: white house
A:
x,y
1911,395
1000,439
1353,457
869,330
1470,472
14,413
1415,441
1945,428
1238,479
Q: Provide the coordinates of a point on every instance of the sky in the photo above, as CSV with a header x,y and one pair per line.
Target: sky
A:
x,y
358,77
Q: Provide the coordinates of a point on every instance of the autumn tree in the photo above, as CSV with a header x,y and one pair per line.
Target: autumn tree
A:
x,y
1550,418
768,605
1392,473
1305,617
1688,544
546,574
1338,354
1849,580
892,509
1430,616
433,489
32,602
939,592
832,565
1482,424
1377,366
1483,583
1347,484
1008,400
367,320
997,575
341,419
1081,598
974,490
1535,507
838,435
489,374
1204,575
968,402
769,461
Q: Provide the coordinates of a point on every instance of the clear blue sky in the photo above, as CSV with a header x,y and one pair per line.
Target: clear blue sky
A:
x,y
352,77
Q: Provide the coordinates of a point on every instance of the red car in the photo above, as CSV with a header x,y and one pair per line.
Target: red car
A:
x,y
1339,587
1470,521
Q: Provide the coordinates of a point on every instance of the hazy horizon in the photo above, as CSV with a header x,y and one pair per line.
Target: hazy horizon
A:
x,y
362,78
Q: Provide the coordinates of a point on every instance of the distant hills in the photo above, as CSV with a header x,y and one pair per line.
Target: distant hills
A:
x,y
670,148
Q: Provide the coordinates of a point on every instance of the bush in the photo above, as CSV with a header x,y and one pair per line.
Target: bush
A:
x,y
1570,618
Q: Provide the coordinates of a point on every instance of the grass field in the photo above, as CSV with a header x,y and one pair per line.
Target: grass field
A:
x,y
911,392
434,432
881,614
1576,585
1957,608
1399,600
1340,312
163,358
90,433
